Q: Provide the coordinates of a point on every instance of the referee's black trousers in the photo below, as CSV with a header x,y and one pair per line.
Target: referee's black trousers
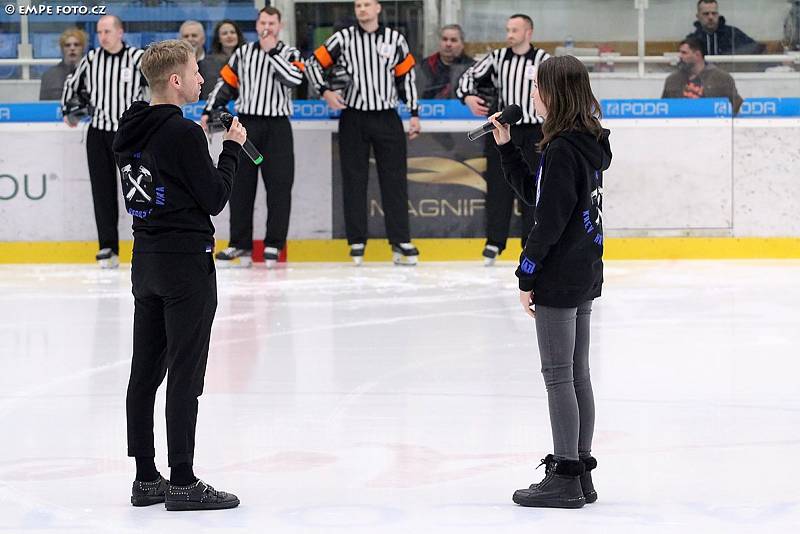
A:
x,y
175,298
273,138
499,195
103,178
383,132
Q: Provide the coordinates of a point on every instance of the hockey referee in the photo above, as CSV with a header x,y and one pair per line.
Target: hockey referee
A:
x,y
260,76
380,67
107,79
511,71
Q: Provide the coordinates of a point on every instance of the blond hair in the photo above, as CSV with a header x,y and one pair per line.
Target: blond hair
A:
x,y
163,59
77,33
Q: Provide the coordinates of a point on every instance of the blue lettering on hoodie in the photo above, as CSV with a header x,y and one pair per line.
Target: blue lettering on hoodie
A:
x,y
587,223
527,266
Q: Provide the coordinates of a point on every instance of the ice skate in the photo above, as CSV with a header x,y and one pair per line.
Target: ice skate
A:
x,y
405,254
357,253
234,257
106,259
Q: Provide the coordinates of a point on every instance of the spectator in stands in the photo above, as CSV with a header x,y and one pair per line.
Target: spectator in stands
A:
x,y
719,38
192,32
697,79
73,44
439,72
227,38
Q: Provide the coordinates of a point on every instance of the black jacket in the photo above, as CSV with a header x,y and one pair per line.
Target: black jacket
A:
x,y
168,179
562,262
727,40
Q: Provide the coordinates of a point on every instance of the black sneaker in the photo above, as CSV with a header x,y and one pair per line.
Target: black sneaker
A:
x,y
147,493
561,487
198,496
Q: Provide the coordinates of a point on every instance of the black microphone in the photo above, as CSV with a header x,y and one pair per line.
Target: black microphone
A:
x,y
249,148
510,115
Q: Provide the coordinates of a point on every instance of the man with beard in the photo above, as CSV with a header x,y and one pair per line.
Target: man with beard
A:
x,y
697,79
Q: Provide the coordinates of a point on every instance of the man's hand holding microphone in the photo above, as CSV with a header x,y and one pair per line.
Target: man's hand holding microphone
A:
x,y
236,132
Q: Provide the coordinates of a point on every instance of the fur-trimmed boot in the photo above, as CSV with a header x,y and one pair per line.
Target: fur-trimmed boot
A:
x,y
586,480
561,487
587,486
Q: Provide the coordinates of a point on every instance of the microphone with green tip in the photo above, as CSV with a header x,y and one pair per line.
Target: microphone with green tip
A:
x,y
249,148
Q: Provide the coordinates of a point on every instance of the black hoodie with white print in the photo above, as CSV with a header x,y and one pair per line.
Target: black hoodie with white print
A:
x,y
562,262
169,181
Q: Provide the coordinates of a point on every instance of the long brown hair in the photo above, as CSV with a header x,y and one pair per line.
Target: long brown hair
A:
x,y
566,92
216,44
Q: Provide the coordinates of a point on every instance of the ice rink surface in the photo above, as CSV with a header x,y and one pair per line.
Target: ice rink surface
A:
x,y
409,400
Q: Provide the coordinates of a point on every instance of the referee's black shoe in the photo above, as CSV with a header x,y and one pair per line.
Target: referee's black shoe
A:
x,y
198,496
147,493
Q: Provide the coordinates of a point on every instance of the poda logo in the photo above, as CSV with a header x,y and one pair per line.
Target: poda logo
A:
x,y
637,109
32,187
310,110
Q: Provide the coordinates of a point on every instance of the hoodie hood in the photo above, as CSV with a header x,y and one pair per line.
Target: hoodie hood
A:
x,y
597,153
138,124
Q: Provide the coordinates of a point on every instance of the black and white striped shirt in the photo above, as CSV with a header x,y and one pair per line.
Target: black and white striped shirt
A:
x,y
261,82
379,63
511,74
113,82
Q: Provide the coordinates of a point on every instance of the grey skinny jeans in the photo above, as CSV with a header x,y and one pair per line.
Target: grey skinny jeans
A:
x,y
563,337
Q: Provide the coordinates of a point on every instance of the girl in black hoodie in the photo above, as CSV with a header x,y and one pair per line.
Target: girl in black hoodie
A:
x,y
561,268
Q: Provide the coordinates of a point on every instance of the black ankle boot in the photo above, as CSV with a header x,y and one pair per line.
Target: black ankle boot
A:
x,y
561,487
586,480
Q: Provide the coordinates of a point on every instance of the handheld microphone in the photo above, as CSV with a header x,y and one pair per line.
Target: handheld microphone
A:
x,y
249,148
510,115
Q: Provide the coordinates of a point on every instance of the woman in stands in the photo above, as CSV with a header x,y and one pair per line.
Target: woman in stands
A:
x,y
227,37
561,268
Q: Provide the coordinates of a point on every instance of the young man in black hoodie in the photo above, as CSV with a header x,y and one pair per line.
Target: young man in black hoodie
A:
x,y
561,266
718,38
171,188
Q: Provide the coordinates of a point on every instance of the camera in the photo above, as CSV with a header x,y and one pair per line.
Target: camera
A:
x,y
78,108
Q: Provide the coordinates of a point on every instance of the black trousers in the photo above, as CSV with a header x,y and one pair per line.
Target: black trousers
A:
x,y
383,132
103,177
175,298
273,138
499,195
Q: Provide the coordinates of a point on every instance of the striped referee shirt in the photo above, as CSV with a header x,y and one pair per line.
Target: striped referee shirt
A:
x,y
511,74
379,64
261,82
113,82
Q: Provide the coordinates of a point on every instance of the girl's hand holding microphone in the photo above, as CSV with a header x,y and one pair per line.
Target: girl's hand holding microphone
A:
x,y
501,132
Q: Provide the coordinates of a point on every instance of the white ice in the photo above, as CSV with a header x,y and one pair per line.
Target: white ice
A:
x,y
389,399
